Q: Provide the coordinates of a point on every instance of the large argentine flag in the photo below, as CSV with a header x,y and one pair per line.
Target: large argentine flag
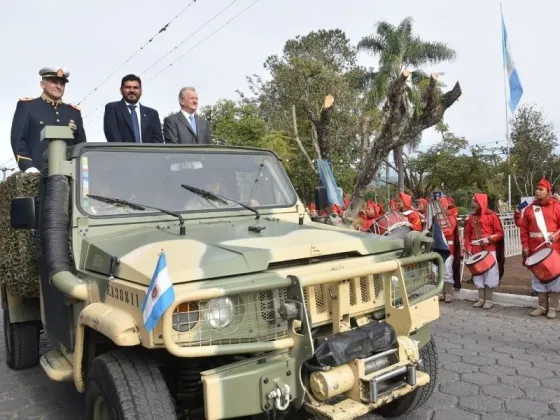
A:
x,y
160,295
327,179
515,90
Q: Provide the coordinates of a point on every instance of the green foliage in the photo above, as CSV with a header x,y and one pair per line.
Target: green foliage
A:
x,y
533,151
311,67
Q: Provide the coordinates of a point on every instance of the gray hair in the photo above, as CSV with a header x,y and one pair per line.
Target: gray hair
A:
x,y
183,90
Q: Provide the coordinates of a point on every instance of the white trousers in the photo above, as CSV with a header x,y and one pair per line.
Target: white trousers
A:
x,y
448,264
491,278
552,287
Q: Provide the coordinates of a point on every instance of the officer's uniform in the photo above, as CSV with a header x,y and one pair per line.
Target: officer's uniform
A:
x,y
33,114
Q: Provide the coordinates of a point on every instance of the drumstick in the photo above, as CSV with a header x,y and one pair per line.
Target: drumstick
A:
x,y
547,241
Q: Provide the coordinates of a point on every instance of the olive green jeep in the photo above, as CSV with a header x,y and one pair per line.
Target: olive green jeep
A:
x,y
273,315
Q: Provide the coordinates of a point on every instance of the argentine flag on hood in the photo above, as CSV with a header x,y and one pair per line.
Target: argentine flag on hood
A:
x,y
160,295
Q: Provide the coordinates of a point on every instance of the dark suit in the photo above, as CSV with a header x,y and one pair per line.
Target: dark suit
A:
x,y
177,129
117,123
31,116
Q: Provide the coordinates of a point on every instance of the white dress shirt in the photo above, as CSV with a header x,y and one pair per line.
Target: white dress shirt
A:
x,y
188,117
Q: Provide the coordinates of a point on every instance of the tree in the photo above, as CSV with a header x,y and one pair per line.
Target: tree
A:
x,y
398,48
533,150
310,95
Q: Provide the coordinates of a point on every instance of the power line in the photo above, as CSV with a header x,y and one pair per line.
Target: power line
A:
x,y
189,37
163,29
212,34
189,50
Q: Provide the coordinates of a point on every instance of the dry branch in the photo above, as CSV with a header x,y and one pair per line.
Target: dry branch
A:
x,y
298,140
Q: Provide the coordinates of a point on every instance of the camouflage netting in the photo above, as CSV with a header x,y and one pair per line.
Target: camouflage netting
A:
x,y
18,258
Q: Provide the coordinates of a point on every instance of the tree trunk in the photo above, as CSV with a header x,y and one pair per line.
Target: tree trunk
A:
x,y
398,125
400,167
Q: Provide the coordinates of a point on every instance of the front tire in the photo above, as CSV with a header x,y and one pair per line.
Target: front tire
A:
x,y
21,340
419,396
124,385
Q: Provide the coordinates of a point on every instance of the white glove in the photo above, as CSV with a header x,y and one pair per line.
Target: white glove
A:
x,y
32,170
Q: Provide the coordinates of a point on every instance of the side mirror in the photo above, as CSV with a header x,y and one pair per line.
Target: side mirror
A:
x,y
23,213
321,198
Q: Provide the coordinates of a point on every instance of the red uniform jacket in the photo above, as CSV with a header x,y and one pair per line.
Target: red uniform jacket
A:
x,y
449,234
412,215
483,224
531,235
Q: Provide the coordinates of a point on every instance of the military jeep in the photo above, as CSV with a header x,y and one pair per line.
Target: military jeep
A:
x,y
274,315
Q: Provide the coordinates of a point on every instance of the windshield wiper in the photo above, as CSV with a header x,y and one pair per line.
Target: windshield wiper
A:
x,y
216,197
136,206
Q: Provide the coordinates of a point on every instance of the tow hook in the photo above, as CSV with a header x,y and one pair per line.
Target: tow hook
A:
x,y
276,395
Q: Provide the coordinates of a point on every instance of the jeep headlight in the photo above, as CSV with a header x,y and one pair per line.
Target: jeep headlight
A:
x,y
185,316
219,312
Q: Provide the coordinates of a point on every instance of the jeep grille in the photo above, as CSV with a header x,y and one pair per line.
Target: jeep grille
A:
x,y
366,293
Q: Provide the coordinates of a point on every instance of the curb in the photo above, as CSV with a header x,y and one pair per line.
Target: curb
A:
x,y
504,299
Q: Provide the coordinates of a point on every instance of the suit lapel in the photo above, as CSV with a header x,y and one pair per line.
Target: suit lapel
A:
x,y
126,115
187,123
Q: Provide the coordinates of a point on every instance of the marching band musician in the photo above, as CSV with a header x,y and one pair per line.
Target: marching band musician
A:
x,y
405,206
484,232
422,210
452,262
539,221
452,209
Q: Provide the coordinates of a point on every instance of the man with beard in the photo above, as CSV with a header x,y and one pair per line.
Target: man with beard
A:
x,y
484,232
33,114
540,220
129,121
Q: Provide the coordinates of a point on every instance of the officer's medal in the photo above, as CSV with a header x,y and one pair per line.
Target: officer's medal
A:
x,y
72,126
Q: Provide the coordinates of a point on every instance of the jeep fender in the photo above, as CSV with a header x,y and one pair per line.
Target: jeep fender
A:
x,y
113,323
21,309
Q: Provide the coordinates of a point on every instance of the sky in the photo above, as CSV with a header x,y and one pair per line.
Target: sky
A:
x,y
93,39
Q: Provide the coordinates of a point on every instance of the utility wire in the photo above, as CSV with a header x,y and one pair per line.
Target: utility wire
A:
x,y
163,29
211,34
189,37
189,50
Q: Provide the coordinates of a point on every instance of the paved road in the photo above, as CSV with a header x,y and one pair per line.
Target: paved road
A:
x,y
497,364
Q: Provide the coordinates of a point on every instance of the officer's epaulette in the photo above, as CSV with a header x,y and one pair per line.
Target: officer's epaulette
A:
x,y
26,98
76,107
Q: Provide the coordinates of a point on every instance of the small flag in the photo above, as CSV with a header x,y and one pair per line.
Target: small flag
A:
x,y
440,242
515,91
327,179
160,295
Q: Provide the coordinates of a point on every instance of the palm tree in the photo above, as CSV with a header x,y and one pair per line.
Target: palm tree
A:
x,y
398,48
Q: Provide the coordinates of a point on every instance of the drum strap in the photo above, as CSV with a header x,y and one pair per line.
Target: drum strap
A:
x,y
478,233
407,212
539,217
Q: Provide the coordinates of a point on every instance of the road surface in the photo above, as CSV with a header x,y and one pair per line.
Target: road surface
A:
x,y
497,364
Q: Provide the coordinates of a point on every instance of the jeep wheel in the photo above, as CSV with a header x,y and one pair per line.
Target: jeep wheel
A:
x,y
21,340
125,385
419,396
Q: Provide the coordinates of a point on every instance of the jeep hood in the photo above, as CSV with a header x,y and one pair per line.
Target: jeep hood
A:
x,y
223,249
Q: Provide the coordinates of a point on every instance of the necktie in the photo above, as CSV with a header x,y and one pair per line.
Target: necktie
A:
x,y
193,123
135,124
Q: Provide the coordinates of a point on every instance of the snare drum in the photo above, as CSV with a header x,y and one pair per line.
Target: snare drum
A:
x,y
480,263
544,264
389,222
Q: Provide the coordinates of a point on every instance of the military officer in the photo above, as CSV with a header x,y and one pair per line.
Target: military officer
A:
x,y
32,114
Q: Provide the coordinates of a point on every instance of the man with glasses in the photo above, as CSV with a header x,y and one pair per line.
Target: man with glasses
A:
x,y
32,114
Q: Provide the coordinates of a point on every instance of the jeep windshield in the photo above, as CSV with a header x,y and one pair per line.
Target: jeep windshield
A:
x,y
154,177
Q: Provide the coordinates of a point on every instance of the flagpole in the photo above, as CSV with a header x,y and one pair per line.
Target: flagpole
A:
x,y
507,114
